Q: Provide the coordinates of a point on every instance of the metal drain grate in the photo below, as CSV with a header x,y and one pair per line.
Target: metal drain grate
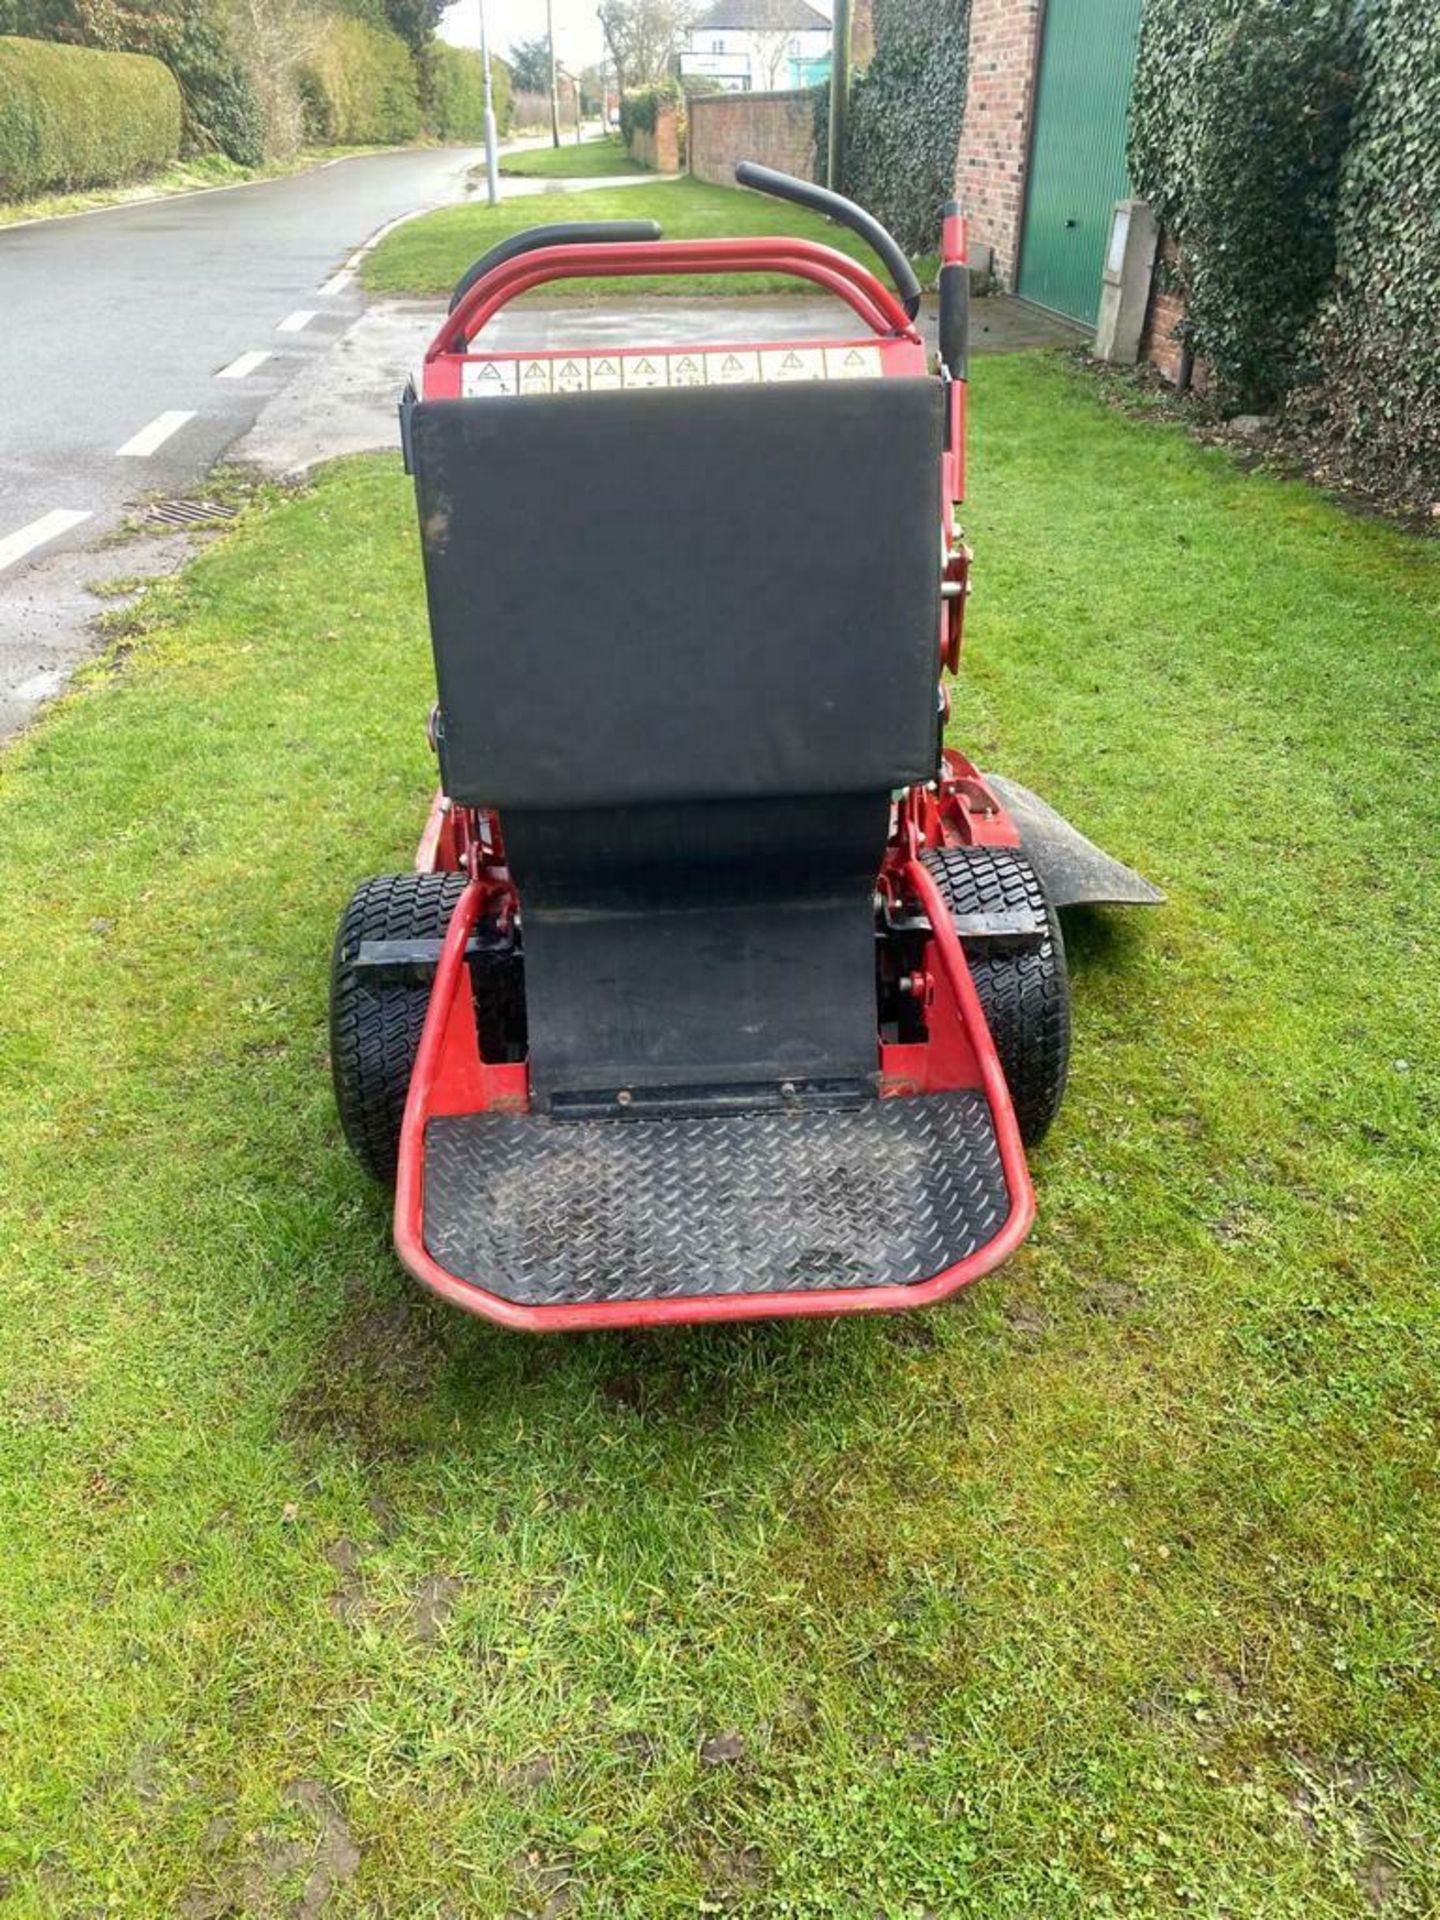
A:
x,y
186,513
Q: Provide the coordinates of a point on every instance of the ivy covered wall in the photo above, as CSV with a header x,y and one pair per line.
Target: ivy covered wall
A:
x,y
905,114
1239,121
1374,348
1291,149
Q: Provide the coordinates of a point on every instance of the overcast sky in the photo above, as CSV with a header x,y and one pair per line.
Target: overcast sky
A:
x,y
578,39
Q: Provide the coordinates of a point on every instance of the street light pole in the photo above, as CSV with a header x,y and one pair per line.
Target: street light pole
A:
x,y
554,75
839,97
492,163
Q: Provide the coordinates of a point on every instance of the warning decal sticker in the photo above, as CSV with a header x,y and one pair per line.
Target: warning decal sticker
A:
x,y
679,367
488,379
852,363
732,367
792,363
644,370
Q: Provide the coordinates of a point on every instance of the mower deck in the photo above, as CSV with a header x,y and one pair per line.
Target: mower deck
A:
x,y
553,1213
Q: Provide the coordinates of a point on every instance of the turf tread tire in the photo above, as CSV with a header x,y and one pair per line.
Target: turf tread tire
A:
x,y
375,1029
1024,992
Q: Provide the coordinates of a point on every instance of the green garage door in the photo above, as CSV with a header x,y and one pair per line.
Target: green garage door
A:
x,y
1077,154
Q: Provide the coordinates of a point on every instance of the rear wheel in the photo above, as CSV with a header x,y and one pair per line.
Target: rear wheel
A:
x,y
375,1026
1023,988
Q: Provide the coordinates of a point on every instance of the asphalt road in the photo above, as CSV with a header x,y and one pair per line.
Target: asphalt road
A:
x,y
118,327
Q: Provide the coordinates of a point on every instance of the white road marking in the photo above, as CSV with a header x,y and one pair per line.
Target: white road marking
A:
x,y
48,527
294,322
338,282
237,369
144,443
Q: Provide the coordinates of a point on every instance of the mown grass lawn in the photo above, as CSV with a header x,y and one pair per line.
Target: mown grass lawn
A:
x,y
1110,1590
592,159
428,255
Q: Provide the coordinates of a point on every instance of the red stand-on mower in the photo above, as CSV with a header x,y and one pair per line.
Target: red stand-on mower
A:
x,y
721,989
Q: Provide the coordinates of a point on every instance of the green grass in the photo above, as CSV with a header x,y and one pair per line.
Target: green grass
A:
x,y
1110,1590
590,160
427,256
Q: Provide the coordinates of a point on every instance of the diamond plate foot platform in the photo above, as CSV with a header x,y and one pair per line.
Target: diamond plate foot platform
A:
x,y
546,1213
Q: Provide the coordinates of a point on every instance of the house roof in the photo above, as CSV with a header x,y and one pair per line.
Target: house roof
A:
x,y
764,16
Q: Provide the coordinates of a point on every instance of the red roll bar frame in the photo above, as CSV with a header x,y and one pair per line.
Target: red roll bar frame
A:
x,y
826,267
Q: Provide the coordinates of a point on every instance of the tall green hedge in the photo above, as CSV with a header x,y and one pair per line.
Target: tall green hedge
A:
x,y
1376,342
453,82
221,110
71,117
358,85
905,114
1239,122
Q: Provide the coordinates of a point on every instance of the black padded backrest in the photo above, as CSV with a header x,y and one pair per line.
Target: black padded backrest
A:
x,y
683,594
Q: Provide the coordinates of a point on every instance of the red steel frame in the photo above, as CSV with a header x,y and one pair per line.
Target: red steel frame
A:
x,y
451,1077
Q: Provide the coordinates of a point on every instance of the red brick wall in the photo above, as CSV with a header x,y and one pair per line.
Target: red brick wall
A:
x,y
1158,344
1000,88
862,34
661,149
777,129
1166,310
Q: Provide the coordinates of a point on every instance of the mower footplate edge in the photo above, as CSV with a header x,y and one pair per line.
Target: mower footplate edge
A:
x,y
544,1214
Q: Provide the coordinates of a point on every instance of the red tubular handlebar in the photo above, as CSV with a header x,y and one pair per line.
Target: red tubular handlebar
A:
x,y
826,267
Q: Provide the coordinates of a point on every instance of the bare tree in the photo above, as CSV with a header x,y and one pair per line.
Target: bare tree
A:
x,y
643,37
274,38
770,52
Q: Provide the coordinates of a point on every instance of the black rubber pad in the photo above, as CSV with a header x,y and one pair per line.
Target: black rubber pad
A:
x,y
548,1213
747,606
